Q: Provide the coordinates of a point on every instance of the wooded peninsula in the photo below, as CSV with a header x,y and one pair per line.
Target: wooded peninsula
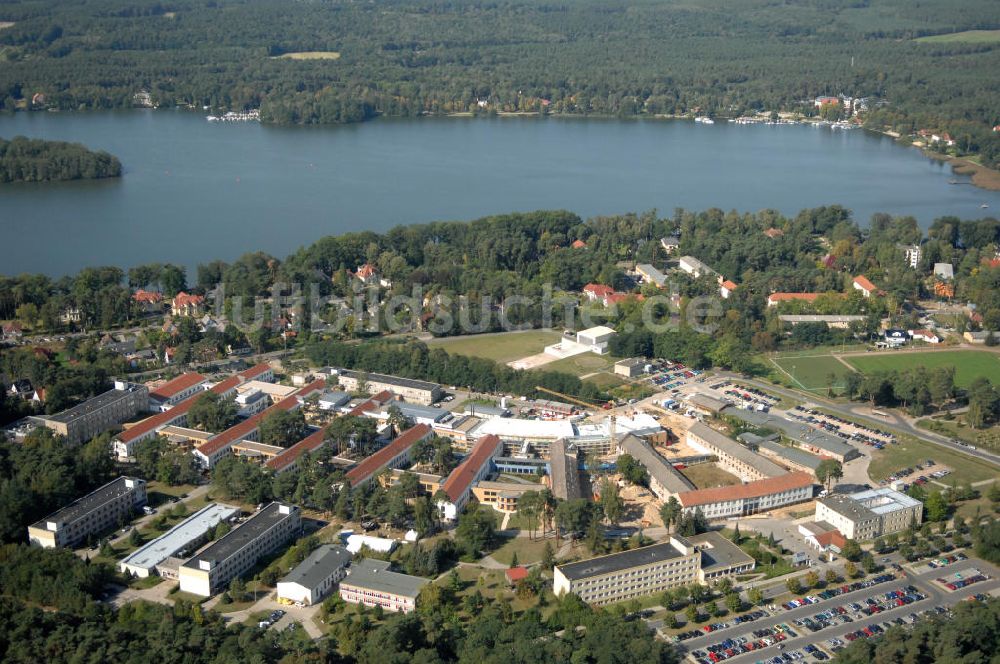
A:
x,y
926,66
32,160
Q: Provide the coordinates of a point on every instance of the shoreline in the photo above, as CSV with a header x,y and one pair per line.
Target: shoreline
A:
x,y
982,177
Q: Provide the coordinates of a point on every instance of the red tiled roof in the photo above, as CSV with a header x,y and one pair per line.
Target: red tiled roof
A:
x,y
177,385
366,270
163,419
789,297
374,402
147,296
579,244
460,479
831,537
245,428
774,232
377,461
310,443
183,299
598,290
728,285
515,574
254,371
863,282
615,298
764,487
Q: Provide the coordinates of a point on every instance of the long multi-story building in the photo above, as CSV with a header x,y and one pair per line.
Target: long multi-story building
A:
x,y
476,466
221,445
733,457
415,391
370,582
237,551
185,536
125,442
869,514
174,391
101,510
629,574
664,480
751,498
394,455
289,458
98,414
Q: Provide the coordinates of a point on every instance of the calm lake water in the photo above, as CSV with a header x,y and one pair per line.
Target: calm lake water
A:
x,y
194,191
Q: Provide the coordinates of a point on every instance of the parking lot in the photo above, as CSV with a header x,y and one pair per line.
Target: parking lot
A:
x,y
835,635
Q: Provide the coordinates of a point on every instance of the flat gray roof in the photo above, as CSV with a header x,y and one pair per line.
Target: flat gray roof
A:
x,y
242,535
848,507
375,575
390,380
632,362
800,433
417,410
708,402
320,565
90,502
732,448
171,542
617,562
658,467
792,454
717,552
93,404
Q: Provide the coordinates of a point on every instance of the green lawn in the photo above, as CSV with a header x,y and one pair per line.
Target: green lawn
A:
x,y
503,348
957,428
528,550
606,381
969,364
968,36
910,452
707,475
811,372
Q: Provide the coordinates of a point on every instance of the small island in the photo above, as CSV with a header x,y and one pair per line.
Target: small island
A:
x,y
33,160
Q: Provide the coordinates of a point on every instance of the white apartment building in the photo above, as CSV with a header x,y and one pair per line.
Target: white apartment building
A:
x,y
869,514
102,510
635,573
212,569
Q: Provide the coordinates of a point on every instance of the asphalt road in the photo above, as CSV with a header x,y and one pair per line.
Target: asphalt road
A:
x,y
936,595
897,423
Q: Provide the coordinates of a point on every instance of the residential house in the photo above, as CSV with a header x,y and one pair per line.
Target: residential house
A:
x,y
148,301
579,244
774,299
925,335
774,233
866,287
726,289
597,292
13,331
186,304
670,244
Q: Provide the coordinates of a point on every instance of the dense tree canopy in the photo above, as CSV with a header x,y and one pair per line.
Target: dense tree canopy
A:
x,y
32,160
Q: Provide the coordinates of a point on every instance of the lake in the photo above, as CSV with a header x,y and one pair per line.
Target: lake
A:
x,y
193,191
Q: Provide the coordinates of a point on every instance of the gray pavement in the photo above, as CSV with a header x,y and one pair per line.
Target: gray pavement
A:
x,y
936,595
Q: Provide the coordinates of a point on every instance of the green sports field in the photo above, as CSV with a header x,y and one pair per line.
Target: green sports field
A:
x,y
810,372
969,364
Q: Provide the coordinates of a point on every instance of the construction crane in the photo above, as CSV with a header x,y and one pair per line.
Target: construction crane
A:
x,y
574,400
585,404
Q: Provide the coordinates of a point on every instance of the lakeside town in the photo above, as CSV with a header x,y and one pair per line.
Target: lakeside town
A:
x,y
691,496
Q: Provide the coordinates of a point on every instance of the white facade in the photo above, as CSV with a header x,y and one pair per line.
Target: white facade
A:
x,y
596,338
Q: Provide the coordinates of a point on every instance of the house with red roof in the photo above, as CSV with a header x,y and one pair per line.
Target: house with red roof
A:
x,y
774,232
579,244
516,574
774,299
866,287
726,288
477,465
928,336
149,301
597,292
187,304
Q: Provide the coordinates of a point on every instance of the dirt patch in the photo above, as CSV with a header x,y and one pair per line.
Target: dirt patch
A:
x,y
532,361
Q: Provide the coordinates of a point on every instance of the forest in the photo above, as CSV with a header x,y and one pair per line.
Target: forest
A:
x,y
32,160
598,57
